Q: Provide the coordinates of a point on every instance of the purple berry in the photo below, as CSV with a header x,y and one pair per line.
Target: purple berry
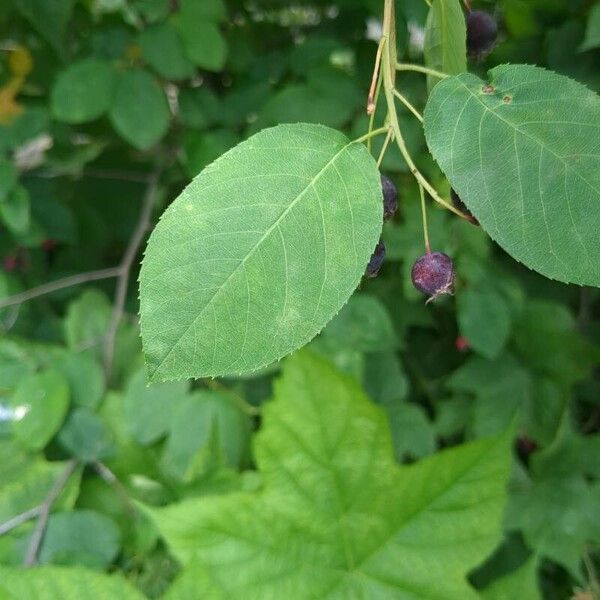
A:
x,y
390,197
376,260
458,203
482,31
433,274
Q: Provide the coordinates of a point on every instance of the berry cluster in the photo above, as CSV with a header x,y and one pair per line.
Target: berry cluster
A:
x,y
390,206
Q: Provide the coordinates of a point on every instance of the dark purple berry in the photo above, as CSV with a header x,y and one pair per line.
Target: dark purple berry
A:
x,y
458,203
433,274
376,260
390,197
482,31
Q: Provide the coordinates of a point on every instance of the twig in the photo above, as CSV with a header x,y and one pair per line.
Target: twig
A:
x,y
408,105
124,270
60,284
375,78
114,482
44,512
96,173
386,142
22,518
421,69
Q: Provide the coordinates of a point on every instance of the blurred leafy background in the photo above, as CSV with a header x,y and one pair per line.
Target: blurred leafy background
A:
x,y
101,100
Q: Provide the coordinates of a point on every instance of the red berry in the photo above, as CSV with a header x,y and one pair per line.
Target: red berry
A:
x,y
461,343
482,31
9,263
390,197
458,203
48,245
433,274
376,260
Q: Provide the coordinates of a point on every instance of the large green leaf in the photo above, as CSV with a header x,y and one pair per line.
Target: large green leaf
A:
x,y
83,91
62,583
258,253
336,517
445,47
162,48
141,127
521,151
49,17
81,537
39,405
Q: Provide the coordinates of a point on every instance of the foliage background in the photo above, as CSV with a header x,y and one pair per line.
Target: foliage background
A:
x,y
105,104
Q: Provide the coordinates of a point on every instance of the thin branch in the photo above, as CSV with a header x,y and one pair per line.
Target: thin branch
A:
x,y
114,482
96,173
375,78
40,527
124,271
386,142
424,217
19,519
421,69
408,105
60,284
370,135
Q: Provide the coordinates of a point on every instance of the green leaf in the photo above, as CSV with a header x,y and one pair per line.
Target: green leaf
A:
x,y
364,324
85,436
8,178
257,274
203,41
15,211
83,91
336,517
48,17
445,47
592,32
62,583
27,479
40,404
484,319
502,389
87,320
207,10
521,153
80,537
199,107
142,128
521,583
207,430
163,50
147,410
202,148
84,374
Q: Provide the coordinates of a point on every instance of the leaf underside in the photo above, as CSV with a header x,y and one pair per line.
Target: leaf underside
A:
x,y
522,153
258,253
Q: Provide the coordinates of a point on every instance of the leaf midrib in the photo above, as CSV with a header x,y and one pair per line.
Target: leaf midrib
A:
x,y
252,250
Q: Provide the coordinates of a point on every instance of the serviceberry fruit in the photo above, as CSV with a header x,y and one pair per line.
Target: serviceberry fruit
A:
x,y
482,31
376,260
433,274
390,197
458,203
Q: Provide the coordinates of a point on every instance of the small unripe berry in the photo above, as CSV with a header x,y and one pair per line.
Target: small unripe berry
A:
x,y
376,260
482,31
390,197
461,343
458,203
433,274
